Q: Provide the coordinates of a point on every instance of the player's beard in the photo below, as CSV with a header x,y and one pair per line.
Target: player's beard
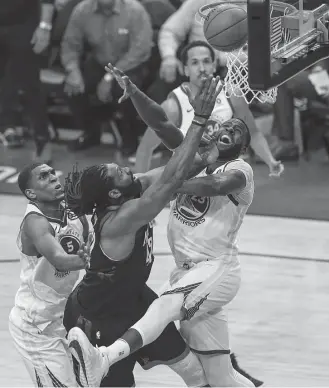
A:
x,y
133,190
230,153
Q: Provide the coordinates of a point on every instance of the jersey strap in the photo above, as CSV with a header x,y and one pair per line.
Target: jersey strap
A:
x,y
230,196
85,226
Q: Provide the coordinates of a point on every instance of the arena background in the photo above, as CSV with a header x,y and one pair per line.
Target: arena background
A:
x,y
302,191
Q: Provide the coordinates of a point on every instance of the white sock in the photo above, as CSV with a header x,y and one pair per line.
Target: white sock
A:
x,y
117,351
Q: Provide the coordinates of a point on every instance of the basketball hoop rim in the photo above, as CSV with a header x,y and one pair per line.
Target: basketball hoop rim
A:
x,y
279,5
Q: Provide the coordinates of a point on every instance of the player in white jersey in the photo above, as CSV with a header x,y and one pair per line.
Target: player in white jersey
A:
x,y
54,246
205,219
198,59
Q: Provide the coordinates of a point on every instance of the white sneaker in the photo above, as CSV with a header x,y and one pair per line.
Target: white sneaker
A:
x,y
93,362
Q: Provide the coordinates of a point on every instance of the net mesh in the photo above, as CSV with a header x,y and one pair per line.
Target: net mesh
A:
x,y
236,80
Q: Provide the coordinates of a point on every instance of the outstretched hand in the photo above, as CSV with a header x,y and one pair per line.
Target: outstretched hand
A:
x,y
85,250
123,80
205,100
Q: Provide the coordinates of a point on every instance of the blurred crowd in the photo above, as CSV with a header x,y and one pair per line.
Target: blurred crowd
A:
x,y
52,73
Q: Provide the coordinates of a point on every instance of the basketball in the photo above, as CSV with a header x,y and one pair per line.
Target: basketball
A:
x,y
226,27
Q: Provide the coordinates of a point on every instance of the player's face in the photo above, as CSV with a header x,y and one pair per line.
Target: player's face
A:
x,y
45,185
125,183
199,64
230,141
122,176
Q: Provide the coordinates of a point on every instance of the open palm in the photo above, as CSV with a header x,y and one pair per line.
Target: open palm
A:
x,y
122,79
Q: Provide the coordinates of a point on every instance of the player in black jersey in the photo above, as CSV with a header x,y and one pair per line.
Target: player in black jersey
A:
x,y
113,294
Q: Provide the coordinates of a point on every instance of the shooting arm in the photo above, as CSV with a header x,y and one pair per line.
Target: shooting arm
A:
x,y
47,10
219,184
39,231
135,213
155,116
148,178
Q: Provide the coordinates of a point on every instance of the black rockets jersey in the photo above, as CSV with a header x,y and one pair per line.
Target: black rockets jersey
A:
x,y
113,287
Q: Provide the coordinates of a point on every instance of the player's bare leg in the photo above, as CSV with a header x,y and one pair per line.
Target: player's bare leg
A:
x,y
164,310
97,361
220,372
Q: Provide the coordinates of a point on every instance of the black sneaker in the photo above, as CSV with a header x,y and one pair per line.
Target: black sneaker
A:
x,y
257,383
11,139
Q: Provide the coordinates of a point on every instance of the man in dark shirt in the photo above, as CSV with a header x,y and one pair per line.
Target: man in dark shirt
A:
x,y
118,31
25,29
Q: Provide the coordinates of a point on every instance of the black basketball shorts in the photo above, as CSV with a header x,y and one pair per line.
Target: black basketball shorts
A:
x,y
168,349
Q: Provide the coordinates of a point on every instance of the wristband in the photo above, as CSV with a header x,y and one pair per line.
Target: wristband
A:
x,y
201,116
45,26
197,123
108,77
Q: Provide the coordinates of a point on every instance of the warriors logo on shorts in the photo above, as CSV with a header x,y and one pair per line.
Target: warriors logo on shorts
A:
x,y
190,209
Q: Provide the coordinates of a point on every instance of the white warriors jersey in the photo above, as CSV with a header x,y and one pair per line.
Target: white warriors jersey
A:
x,y
206,228
44,290
221,112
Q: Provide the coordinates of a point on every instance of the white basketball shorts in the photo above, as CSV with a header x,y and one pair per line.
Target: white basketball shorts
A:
x,y
45,353
207,287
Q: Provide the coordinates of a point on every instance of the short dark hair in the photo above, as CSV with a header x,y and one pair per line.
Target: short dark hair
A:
x,y
88,189
24,177
196,43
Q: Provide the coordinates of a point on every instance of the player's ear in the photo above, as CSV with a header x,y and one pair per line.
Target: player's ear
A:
x,y
186,72
30,194
115,194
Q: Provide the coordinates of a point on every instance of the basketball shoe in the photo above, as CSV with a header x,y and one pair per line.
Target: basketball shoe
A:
x,y
256,382
93,363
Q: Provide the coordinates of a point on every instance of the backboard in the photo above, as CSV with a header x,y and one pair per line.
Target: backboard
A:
x,y
284,38
287,37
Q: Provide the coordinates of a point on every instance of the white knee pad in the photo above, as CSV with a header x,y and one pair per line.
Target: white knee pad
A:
x,y
190,370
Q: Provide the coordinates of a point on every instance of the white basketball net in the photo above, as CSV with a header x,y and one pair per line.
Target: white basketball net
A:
x,y
236,81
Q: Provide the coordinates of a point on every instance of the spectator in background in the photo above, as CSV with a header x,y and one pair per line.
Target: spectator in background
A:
x,y
24,32
283,142
180,28
116,31
300,87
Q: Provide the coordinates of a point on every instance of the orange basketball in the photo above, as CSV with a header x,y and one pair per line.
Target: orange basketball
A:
x,y
226,27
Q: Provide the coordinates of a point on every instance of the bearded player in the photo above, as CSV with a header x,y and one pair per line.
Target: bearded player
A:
x,y
113,294
204,221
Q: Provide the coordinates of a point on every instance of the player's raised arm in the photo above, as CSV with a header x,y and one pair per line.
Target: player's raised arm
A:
x,y
151,112
135,213
39,231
